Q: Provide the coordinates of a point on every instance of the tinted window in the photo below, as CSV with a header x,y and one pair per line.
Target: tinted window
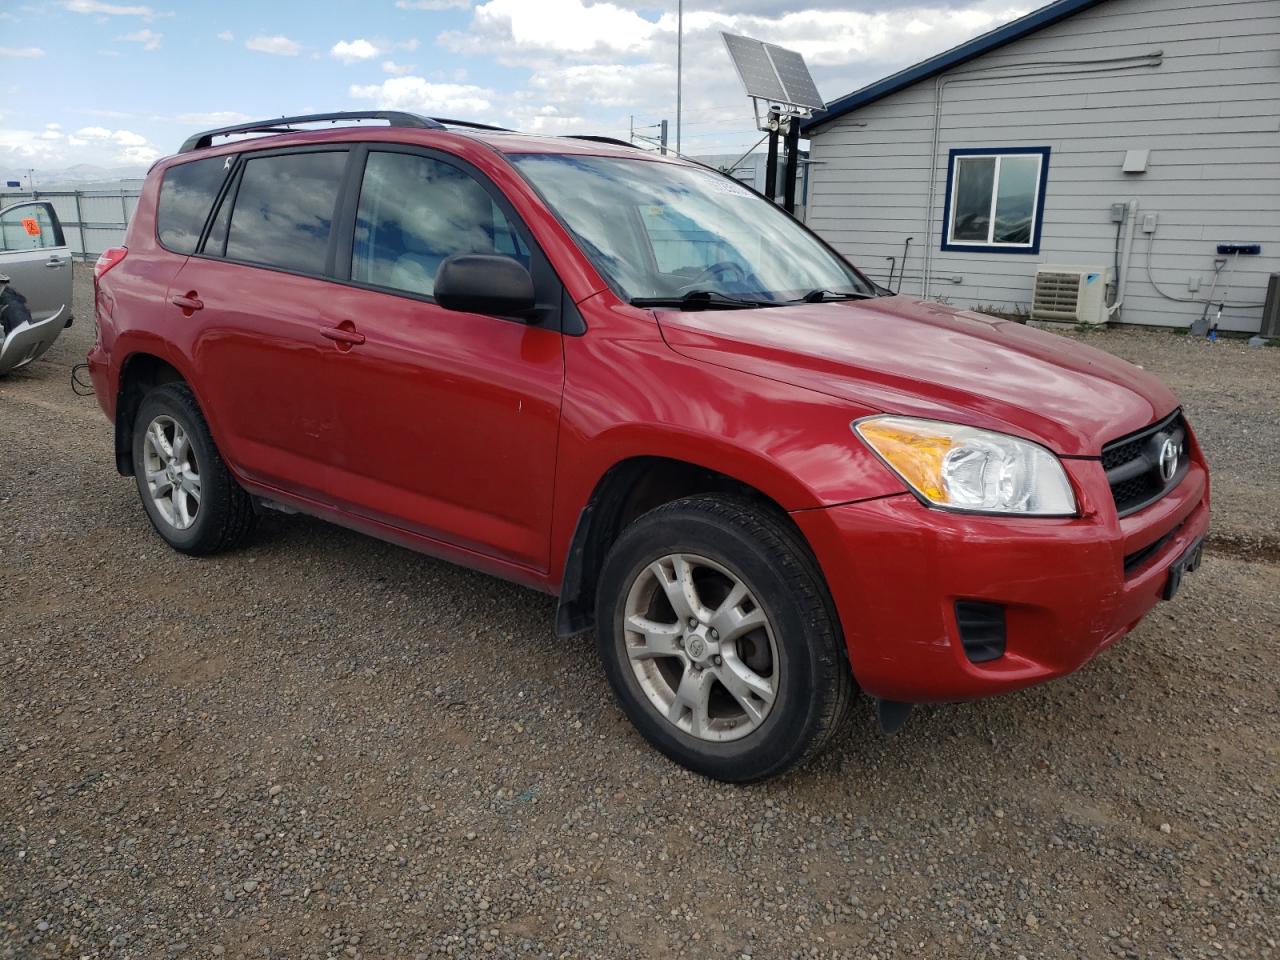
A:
x,y
186,194
216,242
284,210
414,212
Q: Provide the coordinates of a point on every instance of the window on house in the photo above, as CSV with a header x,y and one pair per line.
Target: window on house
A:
x,y
995,199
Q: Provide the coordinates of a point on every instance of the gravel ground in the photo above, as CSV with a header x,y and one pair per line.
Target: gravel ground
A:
x,y
325,746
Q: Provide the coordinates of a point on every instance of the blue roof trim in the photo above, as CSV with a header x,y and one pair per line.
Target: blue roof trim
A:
x,y
993,40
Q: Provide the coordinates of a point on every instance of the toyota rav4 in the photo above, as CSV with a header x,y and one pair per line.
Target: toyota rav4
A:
x,y
630,381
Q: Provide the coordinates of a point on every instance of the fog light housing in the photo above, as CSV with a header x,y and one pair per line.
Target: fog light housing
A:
x,y
982,630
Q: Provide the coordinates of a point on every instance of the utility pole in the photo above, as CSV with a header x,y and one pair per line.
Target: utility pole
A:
x,y
679,66
662,139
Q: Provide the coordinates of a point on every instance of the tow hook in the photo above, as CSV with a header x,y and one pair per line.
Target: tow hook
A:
x,y
892,714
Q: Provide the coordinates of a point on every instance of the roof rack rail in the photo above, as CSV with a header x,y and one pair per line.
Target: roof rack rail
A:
x,y
396,118
596,139
471,125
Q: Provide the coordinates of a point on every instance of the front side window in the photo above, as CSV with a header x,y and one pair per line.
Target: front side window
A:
x,y
186,195
284,210
657,229
30,226
415,211
995,200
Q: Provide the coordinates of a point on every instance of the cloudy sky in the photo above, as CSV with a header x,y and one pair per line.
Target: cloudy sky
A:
x,y
121,83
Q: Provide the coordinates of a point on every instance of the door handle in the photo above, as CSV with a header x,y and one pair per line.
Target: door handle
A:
x,y
343,335
53,263
189,302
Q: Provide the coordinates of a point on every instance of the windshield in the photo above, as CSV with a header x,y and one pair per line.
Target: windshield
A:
x,y
664,230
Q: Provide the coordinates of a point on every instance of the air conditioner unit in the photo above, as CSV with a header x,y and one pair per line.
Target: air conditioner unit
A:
x,y
1071,294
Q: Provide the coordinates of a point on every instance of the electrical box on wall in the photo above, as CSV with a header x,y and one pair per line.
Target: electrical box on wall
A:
x,y
1117,212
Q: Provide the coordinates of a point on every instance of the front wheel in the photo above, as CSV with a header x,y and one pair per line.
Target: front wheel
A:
x,y
719,640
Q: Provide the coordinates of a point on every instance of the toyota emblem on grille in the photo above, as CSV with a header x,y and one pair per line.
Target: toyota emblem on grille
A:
x,y
1170,451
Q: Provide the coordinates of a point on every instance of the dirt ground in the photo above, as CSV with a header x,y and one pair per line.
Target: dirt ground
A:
x,y
325,746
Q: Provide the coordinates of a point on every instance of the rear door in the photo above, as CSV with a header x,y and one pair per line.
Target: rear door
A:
x,y
35,258
257,295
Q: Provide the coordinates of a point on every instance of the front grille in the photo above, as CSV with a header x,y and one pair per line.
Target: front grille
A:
x,y
1133,464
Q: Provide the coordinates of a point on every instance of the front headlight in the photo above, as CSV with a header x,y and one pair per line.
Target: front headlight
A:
x,y
964,468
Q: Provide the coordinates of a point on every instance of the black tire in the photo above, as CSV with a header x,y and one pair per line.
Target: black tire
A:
x,y
225,516
813,684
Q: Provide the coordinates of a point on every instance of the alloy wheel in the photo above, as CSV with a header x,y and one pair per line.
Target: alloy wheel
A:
x,y
701,647
172,472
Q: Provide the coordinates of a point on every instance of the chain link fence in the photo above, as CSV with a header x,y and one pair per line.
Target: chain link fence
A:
x,y
92,220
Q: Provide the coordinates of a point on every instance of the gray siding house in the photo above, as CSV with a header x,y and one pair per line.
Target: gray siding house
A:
x,y
1126,138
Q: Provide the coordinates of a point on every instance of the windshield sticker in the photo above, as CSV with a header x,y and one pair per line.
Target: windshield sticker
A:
x,y
31,225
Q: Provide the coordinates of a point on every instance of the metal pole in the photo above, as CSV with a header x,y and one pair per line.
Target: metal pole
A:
x,y
662,138
793,165
84,250
679,66
771,164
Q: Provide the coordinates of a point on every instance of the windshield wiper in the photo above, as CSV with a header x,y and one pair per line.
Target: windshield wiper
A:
x,y
701,298
823,296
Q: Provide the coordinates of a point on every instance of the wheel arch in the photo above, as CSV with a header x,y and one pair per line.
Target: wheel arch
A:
x,y
626,490
139,373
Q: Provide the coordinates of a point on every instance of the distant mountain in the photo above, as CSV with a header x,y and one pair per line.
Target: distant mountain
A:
x,y
77,175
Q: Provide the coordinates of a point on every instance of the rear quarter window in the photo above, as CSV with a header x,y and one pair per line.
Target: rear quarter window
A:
x,y
186,196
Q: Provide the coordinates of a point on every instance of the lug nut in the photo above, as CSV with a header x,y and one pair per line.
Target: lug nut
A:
x,y
693,622
718,661
715,635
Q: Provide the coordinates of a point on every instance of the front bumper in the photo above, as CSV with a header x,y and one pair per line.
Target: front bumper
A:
x,y
896,568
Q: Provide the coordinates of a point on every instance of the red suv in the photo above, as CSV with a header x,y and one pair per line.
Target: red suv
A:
x,y
630,381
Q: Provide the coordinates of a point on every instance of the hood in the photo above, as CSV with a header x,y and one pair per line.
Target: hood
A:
x,y
908,356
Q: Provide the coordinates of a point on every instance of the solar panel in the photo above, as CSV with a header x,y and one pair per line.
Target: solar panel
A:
x,y
755,68
795,77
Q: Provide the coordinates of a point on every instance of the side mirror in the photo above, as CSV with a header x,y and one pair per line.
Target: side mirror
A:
x,y
484,283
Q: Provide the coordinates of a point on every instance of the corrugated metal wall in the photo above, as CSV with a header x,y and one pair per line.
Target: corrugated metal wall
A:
x,y
92,220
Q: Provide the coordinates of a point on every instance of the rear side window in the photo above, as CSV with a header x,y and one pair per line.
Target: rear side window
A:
x,y
186,196
284,210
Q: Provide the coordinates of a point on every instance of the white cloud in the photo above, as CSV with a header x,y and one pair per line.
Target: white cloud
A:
x,y
554,26
396,69
352,51
50,147
416,93
26,53
278,45
433,4
108,9
596,62
226,35
149,39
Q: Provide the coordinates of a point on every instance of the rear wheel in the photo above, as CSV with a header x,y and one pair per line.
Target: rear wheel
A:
x,y
189,495
719,640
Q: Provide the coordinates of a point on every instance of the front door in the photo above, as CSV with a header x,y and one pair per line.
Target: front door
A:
x,y
448,421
